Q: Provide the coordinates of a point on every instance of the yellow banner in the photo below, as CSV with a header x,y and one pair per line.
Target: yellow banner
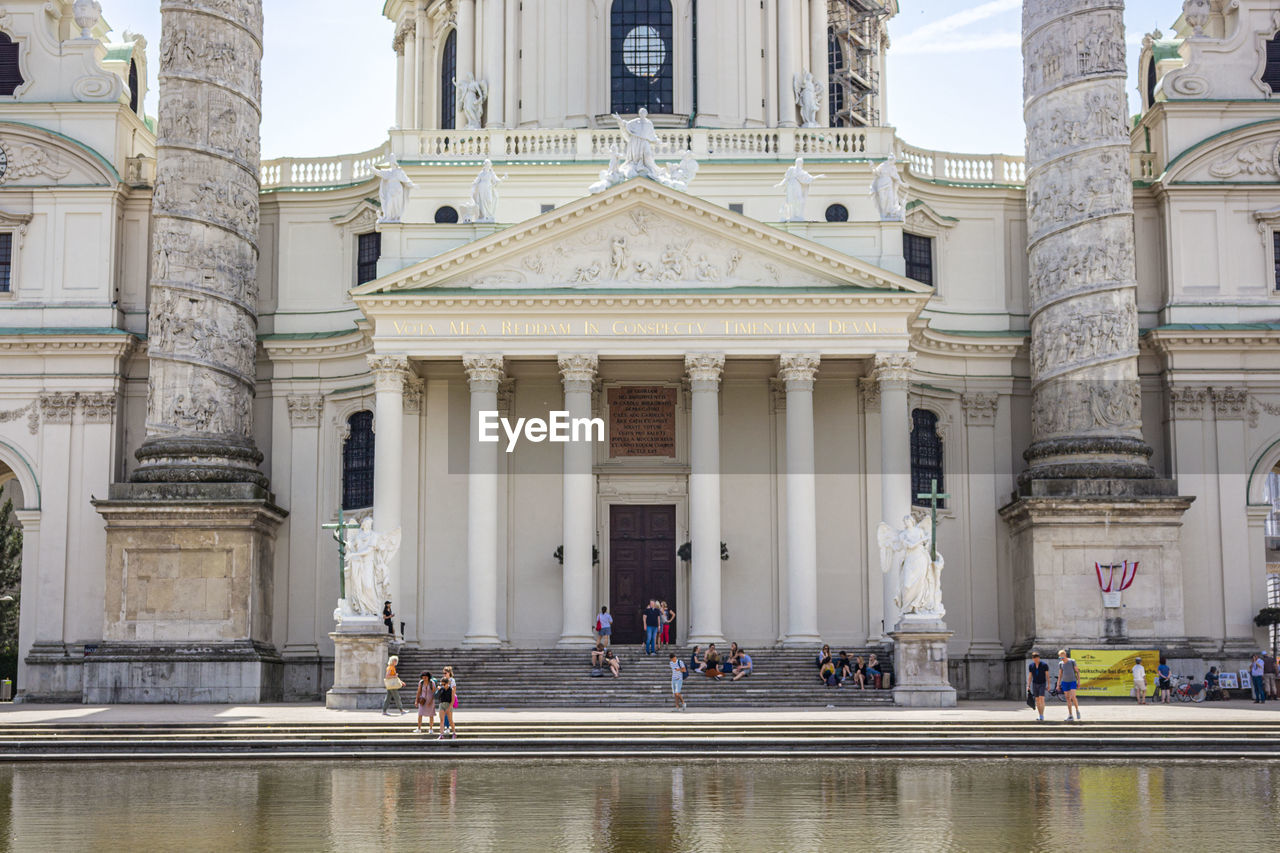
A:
x,y
1109,672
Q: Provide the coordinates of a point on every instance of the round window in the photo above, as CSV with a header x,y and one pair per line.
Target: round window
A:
x,y
837,213
446,214
643,51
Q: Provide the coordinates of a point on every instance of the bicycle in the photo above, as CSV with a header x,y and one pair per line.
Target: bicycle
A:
x,y
1186,691
1058,693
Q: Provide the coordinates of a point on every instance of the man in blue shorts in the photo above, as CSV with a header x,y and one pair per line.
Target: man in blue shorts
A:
x,y
1038,681
1069,681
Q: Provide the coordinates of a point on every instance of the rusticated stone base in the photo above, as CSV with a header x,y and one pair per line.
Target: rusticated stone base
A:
x,y
359,664
920,664
1057,538
239,672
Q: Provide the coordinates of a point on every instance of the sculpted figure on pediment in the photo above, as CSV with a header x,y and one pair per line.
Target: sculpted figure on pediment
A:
x,y
1256,159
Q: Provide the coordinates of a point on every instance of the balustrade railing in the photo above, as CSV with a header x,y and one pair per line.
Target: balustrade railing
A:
x,y
707,144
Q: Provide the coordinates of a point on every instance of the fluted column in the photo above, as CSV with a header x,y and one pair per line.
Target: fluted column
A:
x,y
466,38
704,371
202,326
484,375
797,372
893,374
1086,417
786,62
818,55
412,73
390,372
495,59
578,372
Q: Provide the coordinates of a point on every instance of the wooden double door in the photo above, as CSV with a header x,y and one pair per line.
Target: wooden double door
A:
x,y
642,565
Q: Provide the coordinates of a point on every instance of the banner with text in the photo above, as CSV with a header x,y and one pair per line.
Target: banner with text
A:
x,y
1109,672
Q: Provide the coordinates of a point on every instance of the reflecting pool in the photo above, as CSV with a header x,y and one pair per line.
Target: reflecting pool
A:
x,y
631,805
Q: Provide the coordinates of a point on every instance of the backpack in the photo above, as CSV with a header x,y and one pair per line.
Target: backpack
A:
x,y
596,672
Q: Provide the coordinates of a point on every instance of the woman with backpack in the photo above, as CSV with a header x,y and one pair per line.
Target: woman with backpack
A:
x,y
446,701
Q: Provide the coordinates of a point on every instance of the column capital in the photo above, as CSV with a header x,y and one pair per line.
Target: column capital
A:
x,y
704,369
894,367
389,371
305,409
798,369
870,394
578,370
980,408
1229,403
484,370
98,407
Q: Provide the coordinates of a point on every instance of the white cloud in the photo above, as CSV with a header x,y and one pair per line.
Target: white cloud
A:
x,y
940,35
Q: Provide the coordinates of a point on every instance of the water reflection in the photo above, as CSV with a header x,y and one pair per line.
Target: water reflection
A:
x,y
649,806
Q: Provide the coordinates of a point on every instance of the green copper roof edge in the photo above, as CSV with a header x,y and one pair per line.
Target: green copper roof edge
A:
x,y
1169,165
1218,327
77,143
307,336
105,331
982,333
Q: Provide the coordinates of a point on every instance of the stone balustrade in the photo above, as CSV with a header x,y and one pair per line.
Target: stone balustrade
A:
x,y
540,145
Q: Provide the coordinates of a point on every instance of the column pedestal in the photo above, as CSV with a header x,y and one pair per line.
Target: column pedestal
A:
x,y
920,664
359,664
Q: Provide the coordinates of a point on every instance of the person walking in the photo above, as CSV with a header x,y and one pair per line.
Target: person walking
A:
x,y
652,621
1140,681
425,700
604,626
1038,681
1255,675
446,701
1069,681
678,672
393,684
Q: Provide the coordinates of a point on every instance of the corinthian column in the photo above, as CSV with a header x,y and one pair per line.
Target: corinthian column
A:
x,y
579,518
1086,417
704,371
484,375
893,375
203,315
797,374
390,372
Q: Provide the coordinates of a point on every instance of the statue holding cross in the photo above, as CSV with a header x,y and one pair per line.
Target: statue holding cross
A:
x,y
909,555
363,579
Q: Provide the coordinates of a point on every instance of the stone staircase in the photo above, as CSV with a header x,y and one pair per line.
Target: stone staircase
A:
x,y
558,678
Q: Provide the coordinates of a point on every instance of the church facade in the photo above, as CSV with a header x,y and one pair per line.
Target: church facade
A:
x,y
776,383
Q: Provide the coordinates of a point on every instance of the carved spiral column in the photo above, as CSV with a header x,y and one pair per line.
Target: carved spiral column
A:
x,y
1086,413
203,315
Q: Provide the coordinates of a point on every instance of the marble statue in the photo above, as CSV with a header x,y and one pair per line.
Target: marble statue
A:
x,y
611,176
889,190
367,579
472,94
904,557
641,137
393,191
87,13
678,176
808,97
484,193
796,187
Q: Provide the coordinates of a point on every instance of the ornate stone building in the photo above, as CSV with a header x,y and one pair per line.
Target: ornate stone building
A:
x,y
1110,306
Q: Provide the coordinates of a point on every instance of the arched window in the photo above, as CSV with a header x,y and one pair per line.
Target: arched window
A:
x,y
448,91
133,86
357,462
835,68
926,453
10,74
640,56
1271,71
1151,82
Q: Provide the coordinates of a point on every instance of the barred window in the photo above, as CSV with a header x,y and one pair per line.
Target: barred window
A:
x,y
835,67
357,462
368,250
926,454
640,56
448,90
10,74
918,252
6,261
1271,71
1275,254
133,86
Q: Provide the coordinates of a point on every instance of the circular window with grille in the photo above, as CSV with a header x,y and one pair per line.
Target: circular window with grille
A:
x,y
837,213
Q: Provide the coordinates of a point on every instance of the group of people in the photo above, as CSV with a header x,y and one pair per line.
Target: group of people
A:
x,y
834,672
1262,677
433,698
737,663
658,619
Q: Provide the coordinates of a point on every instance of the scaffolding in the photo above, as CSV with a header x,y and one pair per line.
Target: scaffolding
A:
x,y
855,32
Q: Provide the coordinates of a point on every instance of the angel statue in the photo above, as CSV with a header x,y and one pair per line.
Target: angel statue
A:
x,y
808,97
611,176
918,579
367,579
472,94
393,191
889,190
680,175
641,137
484,193
796,183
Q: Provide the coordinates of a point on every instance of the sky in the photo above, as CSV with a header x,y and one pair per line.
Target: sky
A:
x,y
954,71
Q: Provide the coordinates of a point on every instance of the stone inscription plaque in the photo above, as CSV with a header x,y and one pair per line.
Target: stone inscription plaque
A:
x,y
642,421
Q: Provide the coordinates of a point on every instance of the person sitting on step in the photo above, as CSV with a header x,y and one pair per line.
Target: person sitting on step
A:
x,y
597,655
696,661
844,668
874,674
860,672
712,663
727,665
826,667
611,661
743,667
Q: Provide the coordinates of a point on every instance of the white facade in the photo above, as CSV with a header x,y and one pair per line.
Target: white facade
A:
x,y
471,315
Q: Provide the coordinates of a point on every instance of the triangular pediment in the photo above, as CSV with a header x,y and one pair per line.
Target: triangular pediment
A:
x,y
640,235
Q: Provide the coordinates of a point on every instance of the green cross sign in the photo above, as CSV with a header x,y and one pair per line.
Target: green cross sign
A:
x,y
340,536
933,496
